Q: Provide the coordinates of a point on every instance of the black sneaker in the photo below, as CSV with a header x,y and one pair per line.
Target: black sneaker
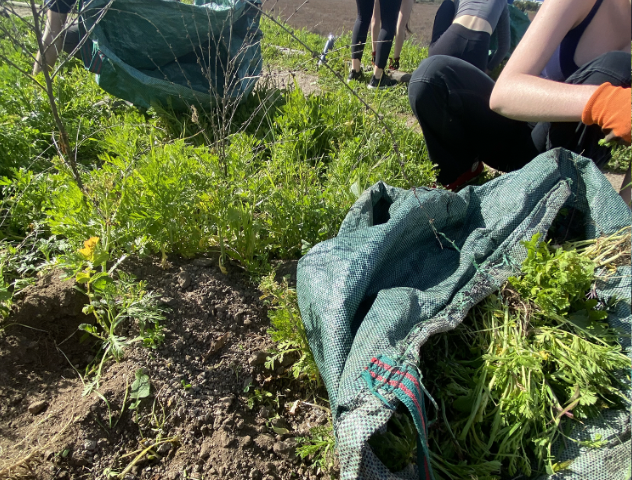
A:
x,y
353,75
382,83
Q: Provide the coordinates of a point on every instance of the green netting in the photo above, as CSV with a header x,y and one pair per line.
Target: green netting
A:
x,y
407,265
163,52
519,23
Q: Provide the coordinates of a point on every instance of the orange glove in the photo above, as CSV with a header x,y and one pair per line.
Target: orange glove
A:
x,y
609,107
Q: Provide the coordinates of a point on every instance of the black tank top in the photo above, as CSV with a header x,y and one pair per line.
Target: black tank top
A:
x,y
562,63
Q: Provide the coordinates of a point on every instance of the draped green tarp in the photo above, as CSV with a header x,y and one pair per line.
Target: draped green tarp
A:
x,y
163,52
410,264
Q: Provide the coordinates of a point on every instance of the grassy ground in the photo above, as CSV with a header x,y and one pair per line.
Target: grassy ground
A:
x,y
262,183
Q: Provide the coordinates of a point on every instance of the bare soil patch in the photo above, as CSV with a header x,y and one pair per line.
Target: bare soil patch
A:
x,y
338,16
214,344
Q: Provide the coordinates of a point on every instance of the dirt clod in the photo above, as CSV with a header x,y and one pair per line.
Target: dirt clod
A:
x,y
37,407
259,358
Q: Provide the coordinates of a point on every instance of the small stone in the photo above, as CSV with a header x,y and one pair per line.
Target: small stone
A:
x,y
264,412
286,448
168,301
265,442
225,439
255,474
289,359
37,407
246,441
205,451
184,280
90,445
258,358
164,448
203,262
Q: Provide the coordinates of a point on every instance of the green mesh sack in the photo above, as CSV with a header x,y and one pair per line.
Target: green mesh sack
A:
x,y
407,265
518,23
167,53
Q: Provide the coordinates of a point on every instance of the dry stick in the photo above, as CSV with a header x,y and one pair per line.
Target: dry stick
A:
x,y
142,453
64,150
368,107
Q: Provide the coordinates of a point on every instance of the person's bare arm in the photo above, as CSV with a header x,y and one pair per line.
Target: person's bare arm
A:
x,y
519,92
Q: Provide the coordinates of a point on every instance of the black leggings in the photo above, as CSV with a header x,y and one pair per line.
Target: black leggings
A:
x,y
450,99
389,10
460,42
457,41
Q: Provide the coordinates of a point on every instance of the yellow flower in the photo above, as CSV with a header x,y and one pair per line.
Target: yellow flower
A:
x,y
89,247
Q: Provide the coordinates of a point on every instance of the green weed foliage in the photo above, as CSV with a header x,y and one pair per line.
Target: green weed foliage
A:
x,y
523,369
263,181
319,447
287,329
261,198
26,124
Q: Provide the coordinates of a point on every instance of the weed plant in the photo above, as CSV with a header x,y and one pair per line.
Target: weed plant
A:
x,y
525,367
319,447
27,126
288,331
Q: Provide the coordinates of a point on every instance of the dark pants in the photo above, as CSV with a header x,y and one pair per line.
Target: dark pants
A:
x,y
457,41
72,37
450,99
460,42
389,10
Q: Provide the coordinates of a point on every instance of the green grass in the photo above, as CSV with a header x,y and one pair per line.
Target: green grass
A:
x,y
298,49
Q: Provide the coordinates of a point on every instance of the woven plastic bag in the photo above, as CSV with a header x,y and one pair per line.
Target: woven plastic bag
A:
x,y
410,264
518,24
167,53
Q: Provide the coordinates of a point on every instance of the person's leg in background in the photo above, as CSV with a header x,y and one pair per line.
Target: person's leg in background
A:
x,y
53,37
450,98
389,11
52,41
402,26
443,19
376,26
359,35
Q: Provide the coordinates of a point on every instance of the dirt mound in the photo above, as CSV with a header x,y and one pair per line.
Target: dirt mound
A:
x,y
198,420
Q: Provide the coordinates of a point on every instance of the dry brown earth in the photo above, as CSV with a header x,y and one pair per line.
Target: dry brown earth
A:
x,y
338,16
